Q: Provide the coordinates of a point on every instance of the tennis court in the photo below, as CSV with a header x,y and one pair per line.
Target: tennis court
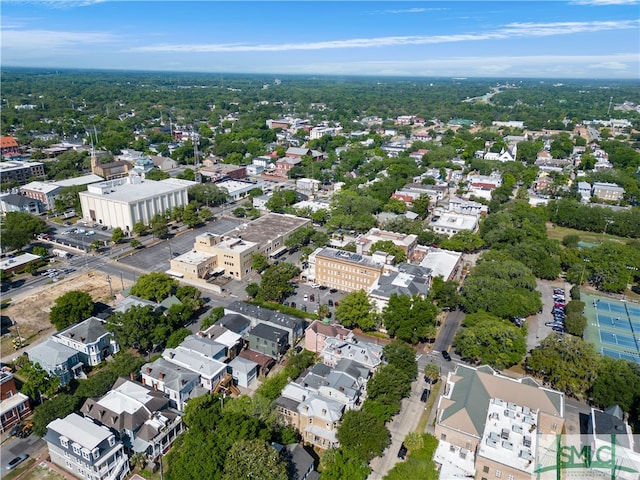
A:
x,y
613,327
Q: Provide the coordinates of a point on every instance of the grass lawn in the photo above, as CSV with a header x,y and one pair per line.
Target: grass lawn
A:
x,y
558,233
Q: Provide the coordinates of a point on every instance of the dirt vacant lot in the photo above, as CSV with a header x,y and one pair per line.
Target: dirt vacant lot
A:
x,y
31,313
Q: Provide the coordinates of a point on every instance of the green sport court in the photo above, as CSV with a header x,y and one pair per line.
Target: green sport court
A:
x,y
613,326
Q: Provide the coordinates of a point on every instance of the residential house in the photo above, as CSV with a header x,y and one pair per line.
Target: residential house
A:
x,y
483,185
141,417
90,339
296,152
178,383
9,147
345,382
14,406
265,362
607,429
45,193
449,223
210,370
405,279
442,263
57,360
365,353
163,163
293,326
466,207
269,340
224,171
283,165
85,449
244,371
584,190
316,418
300,461
489,425
231,340
317,333
236,323
12,202
608,191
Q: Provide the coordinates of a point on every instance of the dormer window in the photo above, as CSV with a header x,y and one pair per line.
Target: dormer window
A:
x,y
112,440
95,453
76,448
64,441
86,454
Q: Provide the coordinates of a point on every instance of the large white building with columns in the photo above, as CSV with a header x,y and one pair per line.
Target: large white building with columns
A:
x,y
123,202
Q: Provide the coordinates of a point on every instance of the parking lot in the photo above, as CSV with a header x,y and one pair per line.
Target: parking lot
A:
x,y
79,236
314,298
156,257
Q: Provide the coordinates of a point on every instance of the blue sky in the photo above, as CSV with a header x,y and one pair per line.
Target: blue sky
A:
x,y
504,39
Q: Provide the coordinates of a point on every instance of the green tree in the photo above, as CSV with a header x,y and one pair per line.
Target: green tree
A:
x,y
139,228
354,423
57,407
191,217
410,319
117,235
135,243
19,228
421,205
254,459
343,463
139,327
259,262
38,382
154,286
618,383
389,247
177,337
40,251
156,174
159,226
490,340
464,241
402,356
275,282
355,310
431,372
444,293
70,308
215,314
568,363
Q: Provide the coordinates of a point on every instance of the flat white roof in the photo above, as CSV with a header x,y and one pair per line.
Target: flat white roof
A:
x,y
132,190
18,260
83,180
510,435
456,221
40,187
441,262
194,258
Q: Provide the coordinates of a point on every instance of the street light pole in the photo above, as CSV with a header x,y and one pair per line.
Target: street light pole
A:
x,y
631,269
585,260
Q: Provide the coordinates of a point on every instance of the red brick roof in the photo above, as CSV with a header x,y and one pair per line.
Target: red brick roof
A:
x,y
8,142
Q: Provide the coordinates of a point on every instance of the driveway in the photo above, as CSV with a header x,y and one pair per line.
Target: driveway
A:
x,y
537,330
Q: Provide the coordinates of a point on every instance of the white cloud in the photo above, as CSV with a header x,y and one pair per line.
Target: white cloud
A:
x,y
50,41
57,4
509,31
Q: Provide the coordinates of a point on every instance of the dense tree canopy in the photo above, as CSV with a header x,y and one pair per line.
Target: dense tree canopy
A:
x,y
356,310
411,319
19,228
155,286
486,339
70,308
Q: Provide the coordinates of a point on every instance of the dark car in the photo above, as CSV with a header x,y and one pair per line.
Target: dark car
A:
x,y
322,287
333,290
17,461
293,304
16,429
425,395
446,355
330,302
402,453
312,297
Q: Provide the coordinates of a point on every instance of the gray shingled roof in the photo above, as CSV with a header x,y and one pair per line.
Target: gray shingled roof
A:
x,y
90,330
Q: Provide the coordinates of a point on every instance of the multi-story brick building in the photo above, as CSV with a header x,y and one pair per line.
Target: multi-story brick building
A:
x,y
14,406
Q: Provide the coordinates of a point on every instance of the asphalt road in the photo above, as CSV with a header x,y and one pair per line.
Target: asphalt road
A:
x,y
14,446
448,330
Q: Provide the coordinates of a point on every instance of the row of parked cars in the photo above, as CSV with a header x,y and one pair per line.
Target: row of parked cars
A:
x,y
558,311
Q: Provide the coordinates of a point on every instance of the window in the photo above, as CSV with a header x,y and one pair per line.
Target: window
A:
x,y
85,454
76,449
485,469
64,441
112,440
498,473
